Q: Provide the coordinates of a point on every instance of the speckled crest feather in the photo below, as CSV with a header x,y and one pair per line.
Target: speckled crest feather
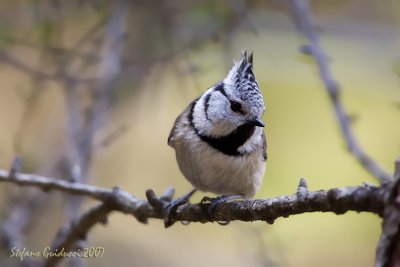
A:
x,y
242,77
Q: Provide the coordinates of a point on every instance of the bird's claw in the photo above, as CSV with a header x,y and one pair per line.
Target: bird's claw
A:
x,y
172,206
207,200
214,202
170,209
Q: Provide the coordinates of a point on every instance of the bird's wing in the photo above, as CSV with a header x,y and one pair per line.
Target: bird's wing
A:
x,y
181,119
264,146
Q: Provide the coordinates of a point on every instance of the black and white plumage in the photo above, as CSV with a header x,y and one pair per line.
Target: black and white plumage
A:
x,y
219,141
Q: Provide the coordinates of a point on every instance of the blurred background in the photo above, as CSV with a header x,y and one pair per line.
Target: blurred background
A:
x,y
90,90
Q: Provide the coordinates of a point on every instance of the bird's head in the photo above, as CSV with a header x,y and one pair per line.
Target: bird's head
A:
x,y
235,101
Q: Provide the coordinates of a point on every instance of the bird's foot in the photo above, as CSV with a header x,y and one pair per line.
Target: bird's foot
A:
x,y
218,200
173,205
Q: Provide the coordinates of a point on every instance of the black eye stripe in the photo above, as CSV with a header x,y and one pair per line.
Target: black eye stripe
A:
x,y
236,107
220,88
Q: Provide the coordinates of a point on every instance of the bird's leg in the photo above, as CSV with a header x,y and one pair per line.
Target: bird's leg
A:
x,y
172,206
217,200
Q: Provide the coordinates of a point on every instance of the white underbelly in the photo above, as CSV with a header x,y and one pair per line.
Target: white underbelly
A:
x,y
212,171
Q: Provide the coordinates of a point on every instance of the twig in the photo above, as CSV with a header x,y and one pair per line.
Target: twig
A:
x,y
305,20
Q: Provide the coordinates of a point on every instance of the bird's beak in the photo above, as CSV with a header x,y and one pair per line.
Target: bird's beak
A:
x,y
256,121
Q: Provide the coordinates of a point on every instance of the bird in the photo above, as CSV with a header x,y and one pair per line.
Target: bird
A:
x,y
219,140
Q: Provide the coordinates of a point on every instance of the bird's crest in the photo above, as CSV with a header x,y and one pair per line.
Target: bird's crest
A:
x,y
242,78
245,66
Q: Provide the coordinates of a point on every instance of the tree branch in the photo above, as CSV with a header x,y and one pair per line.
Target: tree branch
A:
x,y
338,200
304,19
363,198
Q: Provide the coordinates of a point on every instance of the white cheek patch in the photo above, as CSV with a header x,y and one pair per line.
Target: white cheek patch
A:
x,y
212,115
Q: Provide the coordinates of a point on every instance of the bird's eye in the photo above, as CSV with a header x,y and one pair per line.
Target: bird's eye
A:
x,y
236,106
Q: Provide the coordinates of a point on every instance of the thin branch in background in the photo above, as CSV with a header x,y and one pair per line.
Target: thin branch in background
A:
x,y
110,67
23,67
304,18
77,231
114,135
51,49
23,205
72,53
82,132
37,73
21,209
139,68
69,55
83,123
